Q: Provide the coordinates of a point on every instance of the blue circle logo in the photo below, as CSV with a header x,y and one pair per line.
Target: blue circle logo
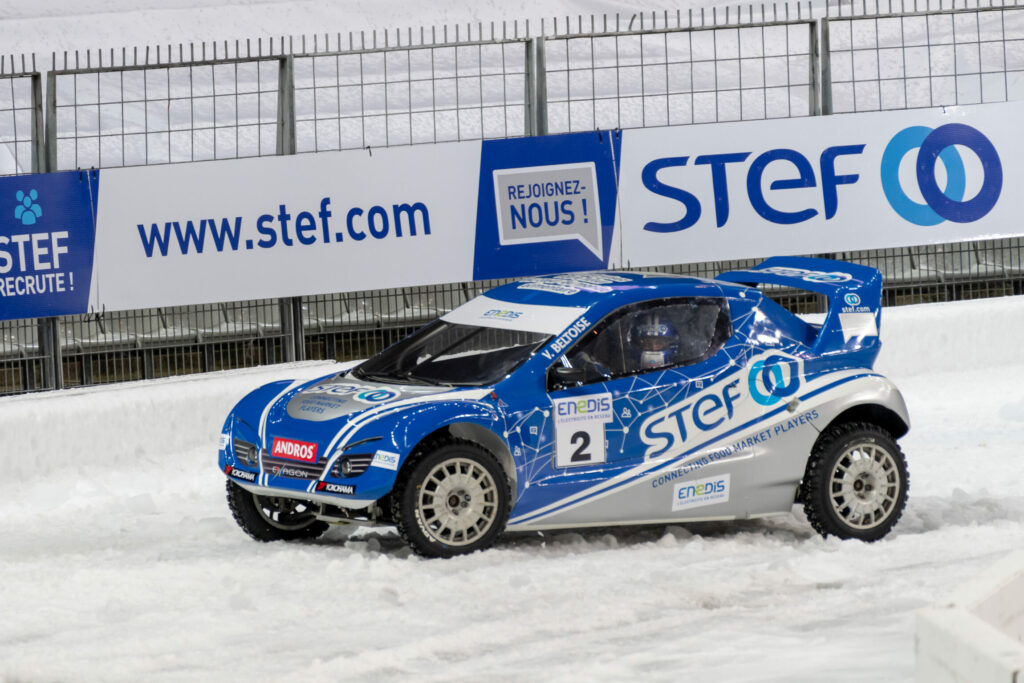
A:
x,y
768,382
934,145
851,299
376,395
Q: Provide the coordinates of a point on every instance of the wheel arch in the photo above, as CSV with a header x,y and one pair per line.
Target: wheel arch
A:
x,y
874,413
483,437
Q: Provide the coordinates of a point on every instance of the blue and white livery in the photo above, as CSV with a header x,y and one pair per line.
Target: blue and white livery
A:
x,y
590,399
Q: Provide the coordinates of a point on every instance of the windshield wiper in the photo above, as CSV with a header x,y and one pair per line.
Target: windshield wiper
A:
x,y
384,379
408,376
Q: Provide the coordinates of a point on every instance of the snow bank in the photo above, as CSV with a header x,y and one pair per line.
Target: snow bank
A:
x,y
129,425
976,634
954,336
126,426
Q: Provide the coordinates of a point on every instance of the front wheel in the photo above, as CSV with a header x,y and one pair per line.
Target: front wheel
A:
x,y
269,518
856,482
453,501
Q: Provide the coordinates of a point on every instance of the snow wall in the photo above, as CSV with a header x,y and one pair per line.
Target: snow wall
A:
x,y
125,426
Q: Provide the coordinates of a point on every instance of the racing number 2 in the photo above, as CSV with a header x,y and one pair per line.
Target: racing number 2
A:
x,y
580,445
579,429
580,454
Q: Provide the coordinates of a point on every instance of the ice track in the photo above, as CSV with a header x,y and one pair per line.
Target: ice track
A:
x,y
120,561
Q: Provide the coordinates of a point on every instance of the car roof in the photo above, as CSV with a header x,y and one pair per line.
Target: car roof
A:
x,y
584,290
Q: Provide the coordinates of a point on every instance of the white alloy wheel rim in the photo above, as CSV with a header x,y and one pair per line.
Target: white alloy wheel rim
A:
x,y
457,503
284,513
864,485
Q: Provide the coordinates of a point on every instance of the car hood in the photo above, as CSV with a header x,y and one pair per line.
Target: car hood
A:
x,y
336,397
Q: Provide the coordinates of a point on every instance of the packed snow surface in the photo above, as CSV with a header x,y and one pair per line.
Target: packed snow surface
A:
x,y
120,561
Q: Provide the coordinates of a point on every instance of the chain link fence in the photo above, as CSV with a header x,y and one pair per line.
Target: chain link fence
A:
x,y
179,104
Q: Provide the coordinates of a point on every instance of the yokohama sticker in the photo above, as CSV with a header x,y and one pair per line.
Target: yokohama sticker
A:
x,y
343,489
240,474
294,450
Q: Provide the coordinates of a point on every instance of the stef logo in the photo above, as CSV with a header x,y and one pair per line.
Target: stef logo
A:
x,y
773,379
936,145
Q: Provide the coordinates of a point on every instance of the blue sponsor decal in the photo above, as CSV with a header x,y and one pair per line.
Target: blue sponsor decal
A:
x,y
47,235
939,145
851,299
768,383
376,395
556,216
502,314
667,430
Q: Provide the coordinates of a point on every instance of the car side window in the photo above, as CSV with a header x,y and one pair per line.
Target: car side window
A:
x,y
652,336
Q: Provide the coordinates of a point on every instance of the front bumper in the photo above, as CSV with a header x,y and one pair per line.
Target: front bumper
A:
x,y
350,502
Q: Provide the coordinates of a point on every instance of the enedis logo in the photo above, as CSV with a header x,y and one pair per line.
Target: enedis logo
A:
x,y
593,408
294,450
701,492
499,314
934,145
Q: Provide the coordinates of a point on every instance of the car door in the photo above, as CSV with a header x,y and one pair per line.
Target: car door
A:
x,y
639,359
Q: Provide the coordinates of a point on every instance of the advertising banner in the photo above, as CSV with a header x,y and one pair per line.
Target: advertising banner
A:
x,y
330,222
354,220
821,184
46,243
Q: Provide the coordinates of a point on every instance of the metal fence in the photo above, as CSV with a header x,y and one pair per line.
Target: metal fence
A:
x,y
177,104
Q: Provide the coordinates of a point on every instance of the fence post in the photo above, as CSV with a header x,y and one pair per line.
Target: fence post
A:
x,y
291,308
536,88
44,160
819,33
38,136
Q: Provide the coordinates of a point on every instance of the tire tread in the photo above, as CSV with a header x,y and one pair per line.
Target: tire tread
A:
x,y
817,473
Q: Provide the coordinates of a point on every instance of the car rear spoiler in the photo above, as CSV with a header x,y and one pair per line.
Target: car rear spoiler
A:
x,y
854,297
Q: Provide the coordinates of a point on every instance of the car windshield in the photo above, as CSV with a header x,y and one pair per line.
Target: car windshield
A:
x,y
451,354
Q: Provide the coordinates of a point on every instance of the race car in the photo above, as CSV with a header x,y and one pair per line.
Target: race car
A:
x,y
590,399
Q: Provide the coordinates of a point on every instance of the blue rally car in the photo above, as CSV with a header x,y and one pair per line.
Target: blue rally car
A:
x,y
589,399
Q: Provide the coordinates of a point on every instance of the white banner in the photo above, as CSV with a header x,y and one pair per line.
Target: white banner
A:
x,y
822,184
285,226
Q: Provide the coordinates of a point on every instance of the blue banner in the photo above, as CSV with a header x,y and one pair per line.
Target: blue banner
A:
x,y
546,205
47,233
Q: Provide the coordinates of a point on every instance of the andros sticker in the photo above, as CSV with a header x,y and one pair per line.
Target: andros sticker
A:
x,y
294,450
700,492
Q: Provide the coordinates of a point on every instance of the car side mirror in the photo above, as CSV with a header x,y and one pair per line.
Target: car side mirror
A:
x,y
565,376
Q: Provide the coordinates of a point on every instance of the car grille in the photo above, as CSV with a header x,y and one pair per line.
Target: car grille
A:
x,y
290,468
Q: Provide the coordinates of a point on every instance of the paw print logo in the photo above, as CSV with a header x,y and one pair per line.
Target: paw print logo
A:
x,y
27,211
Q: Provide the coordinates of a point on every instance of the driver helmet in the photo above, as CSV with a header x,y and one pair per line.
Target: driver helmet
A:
x,y
654,340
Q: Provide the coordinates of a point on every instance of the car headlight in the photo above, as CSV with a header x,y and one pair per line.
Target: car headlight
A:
x,y
245,452
351,465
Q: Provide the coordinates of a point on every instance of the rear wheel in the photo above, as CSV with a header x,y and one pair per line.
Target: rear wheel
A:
x,y
270,518
452,501
856,482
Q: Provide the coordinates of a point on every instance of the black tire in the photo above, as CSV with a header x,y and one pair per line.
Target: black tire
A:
x,y
441,519
273,519
856,482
